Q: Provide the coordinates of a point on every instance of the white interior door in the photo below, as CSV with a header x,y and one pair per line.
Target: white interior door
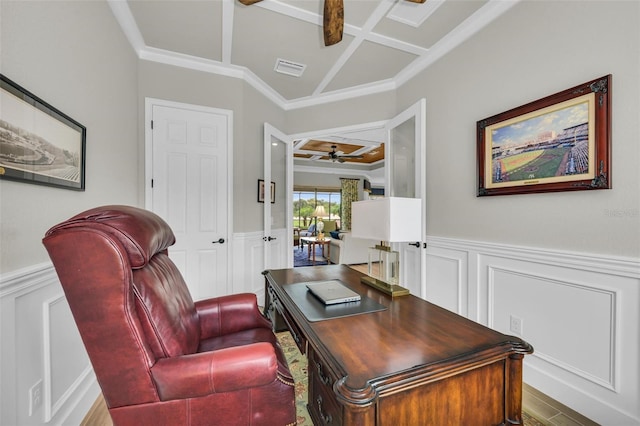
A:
x,y
405,177
278,199
189,188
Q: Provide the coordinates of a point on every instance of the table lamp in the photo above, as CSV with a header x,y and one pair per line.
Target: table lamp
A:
x,y
319,212
390,220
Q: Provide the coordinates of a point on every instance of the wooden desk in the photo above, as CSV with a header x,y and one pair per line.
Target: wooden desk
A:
x,y
411,364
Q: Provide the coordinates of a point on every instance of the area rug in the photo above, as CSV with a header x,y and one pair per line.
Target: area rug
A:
x,y
301,256
298,367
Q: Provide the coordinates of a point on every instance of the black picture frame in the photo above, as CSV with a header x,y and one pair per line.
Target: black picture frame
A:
x,y
569,150
39,144
261,191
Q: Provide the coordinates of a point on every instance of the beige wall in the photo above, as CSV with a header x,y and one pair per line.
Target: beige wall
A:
x,y
534,50
74,56
80,62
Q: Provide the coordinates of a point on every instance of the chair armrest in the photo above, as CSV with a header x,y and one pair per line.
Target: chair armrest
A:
x,y
224,370
229,314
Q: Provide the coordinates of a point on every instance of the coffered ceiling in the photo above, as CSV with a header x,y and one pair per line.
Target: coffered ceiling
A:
x,y
385,42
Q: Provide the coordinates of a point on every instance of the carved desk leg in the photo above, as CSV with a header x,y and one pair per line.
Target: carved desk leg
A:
x,y
514,389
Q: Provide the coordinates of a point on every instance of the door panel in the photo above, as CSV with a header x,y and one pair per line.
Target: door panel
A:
x,y
405,177
278,216
190,188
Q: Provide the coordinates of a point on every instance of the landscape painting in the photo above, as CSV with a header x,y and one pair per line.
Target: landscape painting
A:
x,y
553,144
38,143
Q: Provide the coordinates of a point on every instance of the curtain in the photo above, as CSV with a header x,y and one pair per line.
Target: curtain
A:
x,y
349,189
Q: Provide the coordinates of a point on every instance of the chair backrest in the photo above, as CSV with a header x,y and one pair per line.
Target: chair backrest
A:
x,y
127,297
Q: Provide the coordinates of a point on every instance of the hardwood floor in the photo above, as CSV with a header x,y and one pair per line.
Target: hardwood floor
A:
x,y
534,402
98,414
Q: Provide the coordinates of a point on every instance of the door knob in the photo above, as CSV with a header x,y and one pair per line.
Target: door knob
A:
x,y
271,238
220,241
416,244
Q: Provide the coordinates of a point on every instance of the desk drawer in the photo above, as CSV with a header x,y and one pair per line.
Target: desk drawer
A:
x,y
322,403
299,338
282,320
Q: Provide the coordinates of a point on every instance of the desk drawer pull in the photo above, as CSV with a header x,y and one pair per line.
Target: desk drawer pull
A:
x,y
326,418
324,379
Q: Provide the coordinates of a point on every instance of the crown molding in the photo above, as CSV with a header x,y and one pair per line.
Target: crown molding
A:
x,y
481,18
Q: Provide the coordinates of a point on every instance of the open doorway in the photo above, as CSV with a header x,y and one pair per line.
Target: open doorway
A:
x,y
321,159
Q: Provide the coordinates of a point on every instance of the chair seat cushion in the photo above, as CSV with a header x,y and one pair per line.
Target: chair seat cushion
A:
x,y
248,337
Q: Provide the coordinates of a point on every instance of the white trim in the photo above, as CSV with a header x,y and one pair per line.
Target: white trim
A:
x,y
606,264
127,22
27,279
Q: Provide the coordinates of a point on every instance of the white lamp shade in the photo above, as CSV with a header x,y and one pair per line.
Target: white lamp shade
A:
x,y
391,219
319,211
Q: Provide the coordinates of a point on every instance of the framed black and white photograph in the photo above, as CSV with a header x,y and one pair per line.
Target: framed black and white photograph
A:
x,y
38,143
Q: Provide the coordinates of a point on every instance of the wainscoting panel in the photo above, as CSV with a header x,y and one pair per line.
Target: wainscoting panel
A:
x,y
576,312
66,364
248,261
448,268
579,311
40,342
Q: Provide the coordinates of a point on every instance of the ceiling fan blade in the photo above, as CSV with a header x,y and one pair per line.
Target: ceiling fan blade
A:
x,y
333,21
248,2
417,1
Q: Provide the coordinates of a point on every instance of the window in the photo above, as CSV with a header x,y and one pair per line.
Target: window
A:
x,y
305,201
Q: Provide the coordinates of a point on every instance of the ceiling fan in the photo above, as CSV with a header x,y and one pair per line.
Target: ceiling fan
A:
x,y
340,158
333,19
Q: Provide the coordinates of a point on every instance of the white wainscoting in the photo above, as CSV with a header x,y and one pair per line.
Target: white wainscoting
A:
x,y
579,311
41,342
248,264
248,261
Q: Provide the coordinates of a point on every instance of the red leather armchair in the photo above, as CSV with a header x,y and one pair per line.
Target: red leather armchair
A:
x,y
159,357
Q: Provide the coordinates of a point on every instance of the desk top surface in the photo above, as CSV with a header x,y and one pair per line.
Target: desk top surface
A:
x,y
411,337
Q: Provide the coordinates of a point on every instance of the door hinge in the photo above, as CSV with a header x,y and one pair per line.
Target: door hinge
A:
x,y
152,183
151,124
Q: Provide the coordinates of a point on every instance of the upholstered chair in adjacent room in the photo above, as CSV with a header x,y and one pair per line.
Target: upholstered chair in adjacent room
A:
x,y
159,357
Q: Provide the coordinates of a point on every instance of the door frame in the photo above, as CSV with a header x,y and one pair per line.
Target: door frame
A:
x,y
149,103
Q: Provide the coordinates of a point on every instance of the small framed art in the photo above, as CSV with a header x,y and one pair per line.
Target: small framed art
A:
x,y
261,191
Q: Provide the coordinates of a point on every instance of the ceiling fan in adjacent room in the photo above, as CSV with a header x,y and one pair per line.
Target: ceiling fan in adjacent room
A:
x,y
333,19
340,157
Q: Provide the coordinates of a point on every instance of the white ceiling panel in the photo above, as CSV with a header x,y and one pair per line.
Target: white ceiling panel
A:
x,y
371,62
188,27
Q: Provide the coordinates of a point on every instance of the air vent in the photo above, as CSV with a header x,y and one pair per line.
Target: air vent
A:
x,y
290,68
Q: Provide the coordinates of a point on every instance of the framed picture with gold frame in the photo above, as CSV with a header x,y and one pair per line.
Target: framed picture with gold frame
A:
x,y
559,143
